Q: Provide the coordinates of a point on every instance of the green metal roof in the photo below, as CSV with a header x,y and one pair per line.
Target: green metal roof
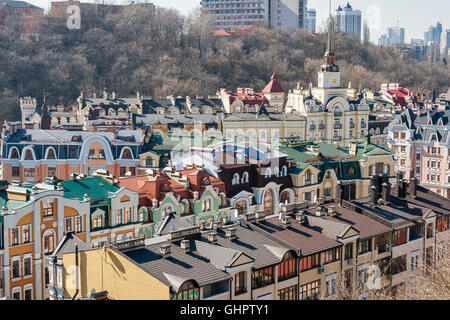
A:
x,y
95,187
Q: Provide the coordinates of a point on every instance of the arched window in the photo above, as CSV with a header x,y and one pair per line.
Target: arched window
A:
x,y
51,154
288,267
268,201
235,179
48,242
284,197
308,175
166,210
14,154
284,171
276,171
268,173
351,170
127,154
74,139
206,205
245,177
241,206
188,291
111,112
28,155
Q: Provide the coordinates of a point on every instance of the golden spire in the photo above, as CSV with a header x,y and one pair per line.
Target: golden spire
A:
x,y
330,57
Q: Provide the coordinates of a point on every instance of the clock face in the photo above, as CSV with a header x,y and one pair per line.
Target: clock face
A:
x,y
334,80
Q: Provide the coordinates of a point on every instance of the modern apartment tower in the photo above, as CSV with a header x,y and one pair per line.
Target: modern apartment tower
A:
x,y
280,15
396,35
445,43
348,20
311,16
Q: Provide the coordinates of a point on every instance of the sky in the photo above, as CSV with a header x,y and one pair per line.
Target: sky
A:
x,y
416,16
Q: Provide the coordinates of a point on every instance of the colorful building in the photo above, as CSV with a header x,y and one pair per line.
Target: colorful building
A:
x,y
34,154
421,145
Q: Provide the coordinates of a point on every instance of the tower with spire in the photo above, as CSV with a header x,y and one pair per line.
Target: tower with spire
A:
x,y
329,75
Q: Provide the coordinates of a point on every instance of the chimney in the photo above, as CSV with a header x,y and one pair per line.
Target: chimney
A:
x,y
339,193
113,95
300,217
412,188
230,233
164,250
186,246
202,225
373,195
212,237
399,176
116,134
400,191
332,211
286,221
319,212
386,192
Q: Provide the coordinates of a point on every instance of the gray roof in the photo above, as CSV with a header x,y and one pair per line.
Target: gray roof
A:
x,y
67,245
272,116
178,267
332,229
154,118
17,5
219,256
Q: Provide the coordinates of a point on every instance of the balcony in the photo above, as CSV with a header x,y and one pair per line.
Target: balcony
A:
x,y
338,126
352,125
337,138
321,126
363,125
337,114
312,127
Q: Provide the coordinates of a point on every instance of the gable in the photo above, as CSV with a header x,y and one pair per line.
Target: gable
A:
x,y
242,259
351,232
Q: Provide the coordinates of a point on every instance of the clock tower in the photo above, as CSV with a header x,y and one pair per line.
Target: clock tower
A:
x,y
329,75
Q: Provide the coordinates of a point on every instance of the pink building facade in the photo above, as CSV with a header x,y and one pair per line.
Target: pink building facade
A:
x,y
421,146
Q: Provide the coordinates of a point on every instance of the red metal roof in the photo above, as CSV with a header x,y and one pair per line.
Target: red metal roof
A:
x,y
273,86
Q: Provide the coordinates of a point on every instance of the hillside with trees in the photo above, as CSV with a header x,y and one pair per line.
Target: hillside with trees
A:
x,y
160,53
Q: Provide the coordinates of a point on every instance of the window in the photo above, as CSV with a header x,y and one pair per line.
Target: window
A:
x,y
127,154
16,269
240,283
289,293
363,273
245,177
28,294
399,264
288,268
364,246
16,171
48,243
331,255
97,222
26,233
348,251
78,224
351,170
284,198
430,230
127,215
28,155
309,262
308,176
414,260
14,154
276,171
216,288
51,171
123,170
27,266
310,291
119,216
442,223
51,154
399,237
29,172
235,179
262,277
68,224
241,206
331,284
47,209
14,236
188,291
73,152
91,154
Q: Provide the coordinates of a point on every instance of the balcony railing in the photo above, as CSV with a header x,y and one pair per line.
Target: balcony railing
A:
x,y
338,138
363,125
312,127
321,126
338,126
338,114
352,125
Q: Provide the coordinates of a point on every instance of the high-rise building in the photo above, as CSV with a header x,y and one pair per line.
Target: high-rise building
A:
x,y
396,35
348,21
311,20
433,33
445,43
281,15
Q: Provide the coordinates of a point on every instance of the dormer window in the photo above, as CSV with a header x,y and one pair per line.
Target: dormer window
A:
x,y
14,154
127,154
28,155
75,139
51,154
235,179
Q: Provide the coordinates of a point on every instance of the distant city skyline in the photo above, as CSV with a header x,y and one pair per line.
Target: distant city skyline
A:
x,y
415,16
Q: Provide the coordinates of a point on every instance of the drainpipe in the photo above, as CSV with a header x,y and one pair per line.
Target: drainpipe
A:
x,y
76,272
298,277
231,288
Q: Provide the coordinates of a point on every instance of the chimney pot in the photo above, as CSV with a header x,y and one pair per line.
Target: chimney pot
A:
x,y
286,221
186,245
230,233
212,237
164,250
